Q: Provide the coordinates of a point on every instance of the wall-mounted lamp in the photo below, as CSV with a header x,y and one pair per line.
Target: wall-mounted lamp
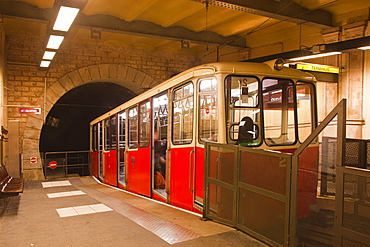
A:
x,y
315,56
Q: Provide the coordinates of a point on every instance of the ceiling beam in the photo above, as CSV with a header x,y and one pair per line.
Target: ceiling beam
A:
x,y
113,24
285,10
20,10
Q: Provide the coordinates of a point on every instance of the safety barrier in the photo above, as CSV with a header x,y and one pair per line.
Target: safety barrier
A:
x,y
282,200
64,164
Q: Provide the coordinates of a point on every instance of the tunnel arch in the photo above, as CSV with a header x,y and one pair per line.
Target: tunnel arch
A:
x,y
133,79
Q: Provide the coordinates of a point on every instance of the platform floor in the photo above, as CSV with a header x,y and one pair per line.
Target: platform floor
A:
x,y
79,212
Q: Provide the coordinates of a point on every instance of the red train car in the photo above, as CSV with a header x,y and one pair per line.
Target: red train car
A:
x,y
153,144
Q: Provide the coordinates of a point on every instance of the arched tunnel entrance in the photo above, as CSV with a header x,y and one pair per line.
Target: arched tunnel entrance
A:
x,y
66,128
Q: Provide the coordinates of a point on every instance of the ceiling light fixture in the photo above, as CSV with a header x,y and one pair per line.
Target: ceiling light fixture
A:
x,y
315,56
65,18
45,64
54,42
49,55
364,47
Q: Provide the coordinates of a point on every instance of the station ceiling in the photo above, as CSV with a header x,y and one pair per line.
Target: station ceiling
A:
x,y
184,25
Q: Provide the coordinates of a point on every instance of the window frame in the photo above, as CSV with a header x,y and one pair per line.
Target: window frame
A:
x,y
133,144
173,101
201,139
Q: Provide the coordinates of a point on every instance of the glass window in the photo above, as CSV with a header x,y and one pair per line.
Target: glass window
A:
x,y
113,132
160,124
183,114
110,133
278,111
94,138
242,95
107,138
144,123
122,129
121,146
208,113
132,128
160,115
305,94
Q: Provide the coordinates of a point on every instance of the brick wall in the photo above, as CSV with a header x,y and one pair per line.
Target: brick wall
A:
x,y
25,82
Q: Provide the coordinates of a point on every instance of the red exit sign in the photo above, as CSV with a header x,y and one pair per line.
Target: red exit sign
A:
x,y
30,110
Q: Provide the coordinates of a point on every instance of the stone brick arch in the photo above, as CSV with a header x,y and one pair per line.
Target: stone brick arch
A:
x,y
131,78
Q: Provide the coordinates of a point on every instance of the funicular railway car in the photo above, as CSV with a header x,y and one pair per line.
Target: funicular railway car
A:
x,y
153,144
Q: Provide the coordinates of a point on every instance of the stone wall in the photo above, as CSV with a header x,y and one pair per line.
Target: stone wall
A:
x,y
74,65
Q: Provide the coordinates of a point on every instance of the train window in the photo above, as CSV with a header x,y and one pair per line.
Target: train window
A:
x,y
107,139
244,91
305,92
113,132
160,115
278,111
183,108
121,129
100,136
144,123
110,133
208,114
94,138
121,145
242,95
159,142
132,128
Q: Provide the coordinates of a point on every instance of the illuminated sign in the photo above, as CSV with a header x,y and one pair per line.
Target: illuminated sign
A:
x,y
317,68
30,110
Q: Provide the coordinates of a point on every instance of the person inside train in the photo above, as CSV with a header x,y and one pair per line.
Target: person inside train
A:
x,y
245,135
160,147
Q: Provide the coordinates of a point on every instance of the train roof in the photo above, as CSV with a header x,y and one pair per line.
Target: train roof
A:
x,y
245,68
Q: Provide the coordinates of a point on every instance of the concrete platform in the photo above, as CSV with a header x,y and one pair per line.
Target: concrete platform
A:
x,y
79,212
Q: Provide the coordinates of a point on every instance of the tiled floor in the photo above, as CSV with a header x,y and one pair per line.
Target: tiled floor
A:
x,y
55,184
80,210
68,193
42,216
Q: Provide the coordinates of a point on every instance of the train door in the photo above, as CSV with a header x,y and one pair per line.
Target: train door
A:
x,y
94,150
100,151
110,153
121,159
207,131
139,154
182,147
159,146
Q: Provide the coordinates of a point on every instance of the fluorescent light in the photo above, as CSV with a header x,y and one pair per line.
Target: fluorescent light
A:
x,y
54,41
49,55
65,18
315,56
364,47
45,64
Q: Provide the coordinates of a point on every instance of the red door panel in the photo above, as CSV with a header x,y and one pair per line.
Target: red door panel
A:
x,y
94,164
138,171
199,175
110,167
180,182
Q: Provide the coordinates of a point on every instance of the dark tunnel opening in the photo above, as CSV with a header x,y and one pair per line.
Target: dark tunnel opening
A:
x,y
66,127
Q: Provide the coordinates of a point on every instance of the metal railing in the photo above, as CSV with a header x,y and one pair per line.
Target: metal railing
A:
x,y
64,164
278,199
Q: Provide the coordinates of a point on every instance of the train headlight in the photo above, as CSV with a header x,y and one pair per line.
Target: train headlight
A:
x,y
279,64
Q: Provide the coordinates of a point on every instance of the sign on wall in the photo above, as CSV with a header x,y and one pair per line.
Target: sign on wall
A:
x,y
30,110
